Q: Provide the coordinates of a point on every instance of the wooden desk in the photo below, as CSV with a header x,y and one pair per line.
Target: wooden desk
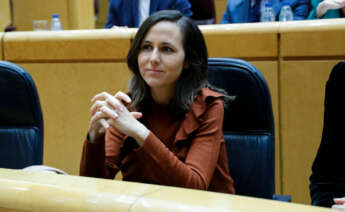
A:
x,y
33,191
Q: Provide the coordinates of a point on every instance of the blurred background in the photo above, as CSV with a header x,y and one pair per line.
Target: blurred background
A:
x,y
18,15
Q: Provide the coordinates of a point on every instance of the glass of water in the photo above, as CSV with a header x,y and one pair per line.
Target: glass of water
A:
x,y
40,25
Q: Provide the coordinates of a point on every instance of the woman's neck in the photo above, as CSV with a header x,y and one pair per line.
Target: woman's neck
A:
x,y
162,96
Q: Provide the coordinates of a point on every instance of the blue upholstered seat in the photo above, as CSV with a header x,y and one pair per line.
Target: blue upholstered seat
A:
x,y
248,126
21,122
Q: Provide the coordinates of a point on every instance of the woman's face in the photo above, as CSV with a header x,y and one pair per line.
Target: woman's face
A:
x,y
162,57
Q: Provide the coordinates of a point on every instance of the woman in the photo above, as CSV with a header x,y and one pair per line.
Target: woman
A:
x,y
168,131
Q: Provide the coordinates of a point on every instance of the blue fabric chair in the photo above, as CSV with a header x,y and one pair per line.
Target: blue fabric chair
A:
x,y
248,126
21,122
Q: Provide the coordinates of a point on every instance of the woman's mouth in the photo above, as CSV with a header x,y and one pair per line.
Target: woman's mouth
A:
x,y
155,70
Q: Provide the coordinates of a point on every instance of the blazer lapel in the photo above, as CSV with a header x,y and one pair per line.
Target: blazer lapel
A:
x,y
188,126
191,122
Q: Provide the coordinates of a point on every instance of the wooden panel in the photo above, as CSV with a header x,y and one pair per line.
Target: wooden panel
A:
x,y
102,14
81,14
241,40
313,38
302,87
25,12
11,210
1,46
5,14
313,43
35,191
68,45
65,91
270,71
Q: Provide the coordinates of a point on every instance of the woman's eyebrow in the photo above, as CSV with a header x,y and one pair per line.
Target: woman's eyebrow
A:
x,y
168,43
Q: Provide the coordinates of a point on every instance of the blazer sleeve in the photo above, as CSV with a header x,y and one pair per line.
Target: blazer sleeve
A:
x,y
227,15
112,19
184,7
300,9
197,169
101,159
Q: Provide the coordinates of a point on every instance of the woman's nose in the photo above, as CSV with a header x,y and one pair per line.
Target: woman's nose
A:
x,y
155,57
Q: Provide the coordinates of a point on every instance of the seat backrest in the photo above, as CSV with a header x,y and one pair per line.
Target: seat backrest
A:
x,y
21,122
248,126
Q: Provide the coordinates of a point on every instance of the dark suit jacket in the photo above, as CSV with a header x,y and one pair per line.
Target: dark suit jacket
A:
x,y
203,9
328,179
125,12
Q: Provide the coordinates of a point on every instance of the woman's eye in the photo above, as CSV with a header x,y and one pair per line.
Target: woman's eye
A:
x,y
146,47
167,49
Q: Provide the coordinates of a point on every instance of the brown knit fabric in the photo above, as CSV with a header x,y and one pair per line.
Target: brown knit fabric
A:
x,y
162,123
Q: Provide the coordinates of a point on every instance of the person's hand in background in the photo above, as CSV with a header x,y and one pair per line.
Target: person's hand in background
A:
x,y
119,27
326,5
339,204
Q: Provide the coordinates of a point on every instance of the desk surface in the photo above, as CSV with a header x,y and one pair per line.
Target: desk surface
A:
x,y
38,191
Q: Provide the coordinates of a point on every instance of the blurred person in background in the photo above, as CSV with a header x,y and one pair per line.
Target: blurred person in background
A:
x,y
204,11
327,181
131,13
246,11
327,9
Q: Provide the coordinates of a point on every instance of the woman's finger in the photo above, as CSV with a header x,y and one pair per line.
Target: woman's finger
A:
x,y
101,96
108,112
115,103
98,104
105,125
98,115
339,200
123,97
339,207
137,115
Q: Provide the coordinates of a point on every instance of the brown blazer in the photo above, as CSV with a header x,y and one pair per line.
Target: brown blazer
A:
x,y
197,158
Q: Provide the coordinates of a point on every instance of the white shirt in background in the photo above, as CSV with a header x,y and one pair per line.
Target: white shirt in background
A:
x,y
144,10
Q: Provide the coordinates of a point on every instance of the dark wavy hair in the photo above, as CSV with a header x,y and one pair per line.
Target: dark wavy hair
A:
x,y
191,80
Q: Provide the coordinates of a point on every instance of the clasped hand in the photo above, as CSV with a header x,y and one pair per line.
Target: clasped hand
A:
x,y
335,4
339,204
111,110
326,5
